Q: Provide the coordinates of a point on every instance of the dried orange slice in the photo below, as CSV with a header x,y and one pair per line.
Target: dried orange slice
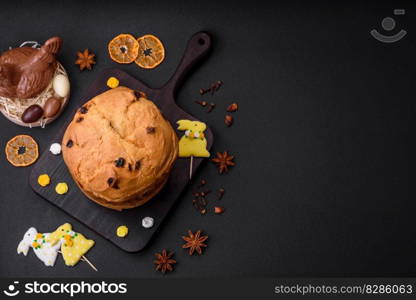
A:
x,y
22,151
123,49
151,52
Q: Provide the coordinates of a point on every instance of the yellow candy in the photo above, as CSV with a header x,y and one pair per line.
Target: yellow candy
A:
x,y
122,231
44,180
112,82
193,142
74,246
61,188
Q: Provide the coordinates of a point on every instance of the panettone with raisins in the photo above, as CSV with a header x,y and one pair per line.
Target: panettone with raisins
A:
x,y
120,149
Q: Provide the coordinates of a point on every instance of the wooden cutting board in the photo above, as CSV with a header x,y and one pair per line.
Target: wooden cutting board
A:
x,y
103,220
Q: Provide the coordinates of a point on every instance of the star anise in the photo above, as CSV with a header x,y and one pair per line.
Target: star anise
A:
x,y
223,161
164,261
194,242
85,60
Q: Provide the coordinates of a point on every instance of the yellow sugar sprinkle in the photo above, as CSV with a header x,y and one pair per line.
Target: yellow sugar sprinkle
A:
x,y
122,231
44,180
112,82
61,188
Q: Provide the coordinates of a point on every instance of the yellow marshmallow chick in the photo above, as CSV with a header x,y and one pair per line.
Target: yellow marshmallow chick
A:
x,y
193,142
73,245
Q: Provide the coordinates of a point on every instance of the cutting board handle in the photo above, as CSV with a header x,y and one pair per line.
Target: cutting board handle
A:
x,y
197,48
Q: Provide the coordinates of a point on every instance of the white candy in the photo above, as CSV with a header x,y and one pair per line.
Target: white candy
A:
x,y
61,85
45,252
147,222
55,149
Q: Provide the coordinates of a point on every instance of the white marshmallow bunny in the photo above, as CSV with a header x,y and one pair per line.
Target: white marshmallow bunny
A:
x,y
43,249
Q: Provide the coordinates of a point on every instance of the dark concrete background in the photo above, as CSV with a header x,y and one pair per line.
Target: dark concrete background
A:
x,y
322,185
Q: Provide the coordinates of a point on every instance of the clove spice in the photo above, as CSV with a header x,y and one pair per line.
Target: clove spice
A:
x,y
202,103
215,86
221,193
203,91
211,107
200,201
212,89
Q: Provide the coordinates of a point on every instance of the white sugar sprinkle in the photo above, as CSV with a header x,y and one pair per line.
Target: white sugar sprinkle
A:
x,y
147,222
55,149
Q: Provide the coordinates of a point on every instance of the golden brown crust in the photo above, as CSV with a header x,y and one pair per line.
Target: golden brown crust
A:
x,y
116,125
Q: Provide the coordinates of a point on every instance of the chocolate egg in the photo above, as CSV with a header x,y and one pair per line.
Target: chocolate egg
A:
x,y
51,107
32,113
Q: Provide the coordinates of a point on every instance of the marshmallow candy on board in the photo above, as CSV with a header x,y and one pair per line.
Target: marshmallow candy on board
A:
x,y
73,244
193,142
42,248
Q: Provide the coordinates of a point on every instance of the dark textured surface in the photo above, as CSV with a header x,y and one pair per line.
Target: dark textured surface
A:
x,y
323,182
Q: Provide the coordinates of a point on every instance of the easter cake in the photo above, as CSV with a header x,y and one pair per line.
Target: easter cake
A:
x,y
120,149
